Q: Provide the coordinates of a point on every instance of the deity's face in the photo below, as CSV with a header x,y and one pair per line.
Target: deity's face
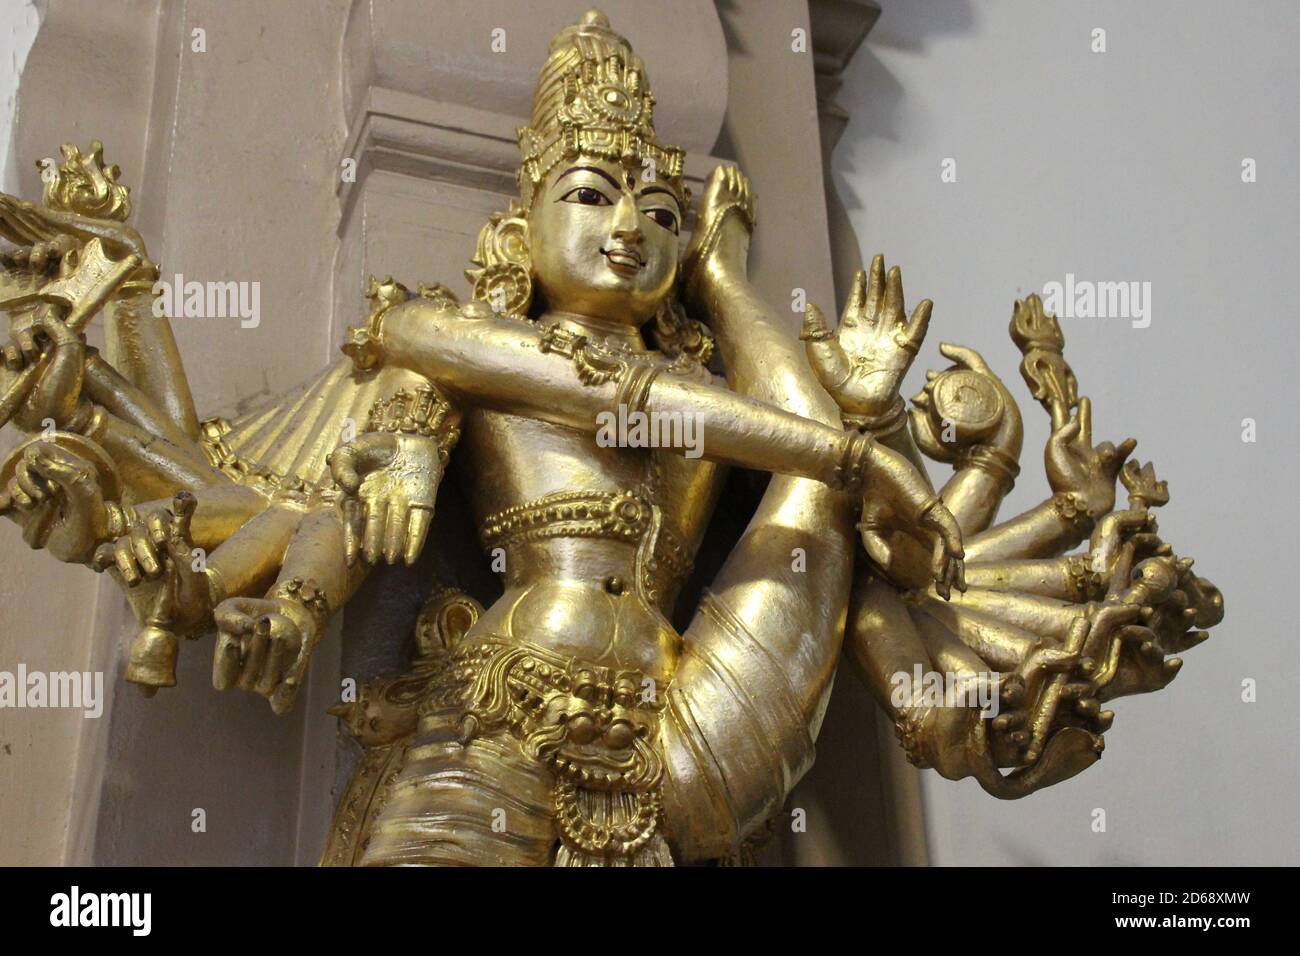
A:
x,y
603,240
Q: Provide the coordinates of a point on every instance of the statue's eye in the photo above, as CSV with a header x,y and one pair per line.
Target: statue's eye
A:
x,y
665,218
586,196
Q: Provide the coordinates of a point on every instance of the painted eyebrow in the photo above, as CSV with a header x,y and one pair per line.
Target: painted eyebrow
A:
x,y
592,169
661,189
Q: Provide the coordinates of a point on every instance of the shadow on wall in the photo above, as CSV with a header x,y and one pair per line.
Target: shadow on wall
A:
x,y
871,94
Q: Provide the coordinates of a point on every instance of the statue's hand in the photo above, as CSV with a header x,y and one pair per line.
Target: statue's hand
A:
x,y
1113,531
1075,466
56,498
863,362
897,499
140,553
964,407
390,484
42,230
56,394
263,645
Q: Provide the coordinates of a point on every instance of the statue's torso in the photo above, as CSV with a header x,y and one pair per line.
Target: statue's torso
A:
x,y
575,523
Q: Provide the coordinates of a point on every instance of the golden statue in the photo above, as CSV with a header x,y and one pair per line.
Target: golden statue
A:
x,y
579,399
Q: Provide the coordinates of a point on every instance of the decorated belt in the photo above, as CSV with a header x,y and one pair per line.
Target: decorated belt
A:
x,y
614,515
594,727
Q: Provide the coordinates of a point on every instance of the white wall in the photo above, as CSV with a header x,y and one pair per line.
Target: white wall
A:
x,y
1123,165
18,23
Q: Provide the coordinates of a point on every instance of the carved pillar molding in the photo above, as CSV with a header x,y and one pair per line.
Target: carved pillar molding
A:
x,y
838,29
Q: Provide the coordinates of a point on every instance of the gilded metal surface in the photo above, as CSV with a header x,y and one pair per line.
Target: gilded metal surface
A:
x,y
571,699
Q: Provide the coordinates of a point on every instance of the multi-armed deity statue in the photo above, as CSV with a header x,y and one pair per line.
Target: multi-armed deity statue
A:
x,y
567,697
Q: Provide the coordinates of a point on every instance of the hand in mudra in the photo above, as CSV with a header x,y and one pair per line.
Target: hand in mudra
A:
x,y
50,235
390,484
1075,466
263,646
863,362
56,498
896,500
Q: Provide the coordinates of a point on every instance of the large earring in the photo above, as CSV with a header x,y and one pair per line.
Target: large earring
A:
x,y
504,277
680,336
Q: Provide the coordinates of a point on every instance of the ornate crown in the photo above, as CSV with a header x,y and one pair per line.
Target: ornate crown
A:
x,y
593,97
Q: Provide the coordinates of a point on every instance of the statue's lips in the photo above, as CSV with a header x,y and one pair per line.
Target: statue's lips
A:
x,y
626,262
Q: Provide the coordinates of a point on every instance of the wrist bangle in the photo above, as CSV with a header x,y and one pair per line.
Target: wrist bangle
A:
x,y
307,596
1072,510
420,411
880,426
365,344
993,461
850,473
1084,583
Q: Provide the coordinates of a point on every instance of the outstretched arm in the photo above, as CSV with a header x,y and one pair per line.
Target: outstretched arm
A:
x,y
1082,478
512,366
264,644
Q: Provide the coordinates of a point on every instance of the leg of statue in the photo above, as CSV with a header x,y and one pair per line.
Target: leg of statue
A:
x,y
751,686
483,803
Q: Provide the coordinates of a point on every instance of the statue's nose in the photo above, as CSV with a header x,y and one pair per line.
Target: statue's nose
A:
x,y
627,224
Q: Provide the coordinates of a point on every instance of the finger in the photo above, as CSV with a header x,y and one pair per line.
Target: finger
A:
x,y
894,296
875,288
258,648
36,530
417,527
394,533
225,661
918,326
276,658
13,358
342,462
376,514
1123,451
1063,436
6,502
857,298
22,501
1060,413
877,548
183,505
54,464
964,357
939,569
144,553
157,528
284,696
29,482
830,363
351,529
105,557
27,345
814,325
125,561
941,520
1085,421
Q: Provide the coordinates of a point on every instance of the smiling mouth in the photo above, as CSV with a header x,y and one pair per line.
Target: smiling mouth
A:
x,y
626,262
